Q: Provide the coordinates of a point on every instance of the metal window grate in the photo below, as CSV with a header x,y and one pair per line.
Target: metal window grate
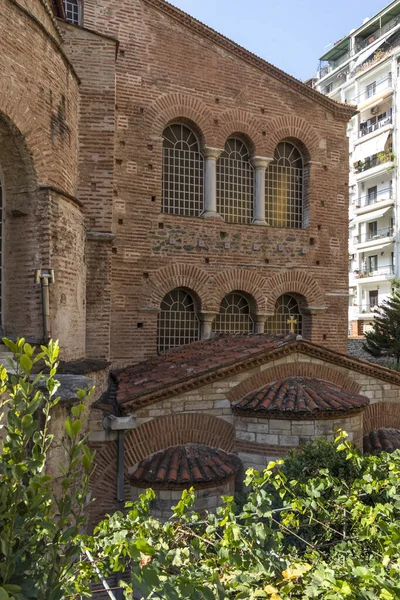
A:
x,y
286,307
234,315
183,172
284,187
178,323
71,8
235,183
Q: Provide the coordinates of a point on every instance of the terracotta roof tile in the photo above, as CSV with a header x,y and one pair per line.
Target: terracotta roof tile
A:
x,y
299,395
186,362
185,466
382,440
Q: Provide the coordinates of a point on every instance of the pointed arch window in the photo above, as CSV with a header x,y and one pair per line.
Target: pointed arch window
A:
x,y
235,183
286,309
284,187
72,9
178,323
234,315
182,172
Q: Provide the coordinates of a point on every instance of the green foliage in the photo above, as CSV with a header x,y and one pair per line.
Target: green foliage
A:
x,y
38,527
384,338
331,537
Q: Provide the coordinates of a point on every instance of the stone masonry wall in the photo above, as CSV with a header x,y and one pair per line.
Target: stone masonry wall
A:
x,y
166,71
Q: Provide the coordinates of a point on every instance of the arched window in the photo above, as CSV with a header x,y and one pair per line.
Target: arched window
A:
x,y
234,315
287,318
178,323
182,180
235,183
284,187
72,11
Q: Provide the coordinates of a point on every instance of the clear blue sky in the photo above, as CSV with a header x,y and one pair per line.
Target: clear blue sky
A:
x,y
290,34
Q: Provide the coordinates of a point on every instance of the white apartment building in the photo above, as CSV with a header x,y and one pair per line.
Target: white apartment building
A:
x,y
363,69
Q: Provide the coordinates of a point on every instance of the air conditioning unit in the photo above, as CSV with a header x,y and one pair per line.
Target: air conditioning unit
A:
x,y
375,110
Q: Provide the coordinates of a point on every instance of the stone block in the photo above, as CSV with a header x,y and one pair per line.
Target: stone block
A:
x,y
266,438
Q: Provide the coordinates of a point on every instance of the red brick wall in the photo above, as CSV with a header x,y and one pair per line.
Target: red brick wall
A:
x,y
164,72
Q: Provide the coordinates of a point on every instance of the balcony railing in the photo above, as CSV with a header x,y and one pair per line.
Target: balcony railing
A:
x,y
366,308
377,34
366,129
371,236
382,270
371,199
373,161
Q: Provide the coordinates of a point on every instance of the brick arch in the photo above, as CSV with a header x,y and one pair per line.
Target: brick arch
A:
x,y
294,369
382,414
239,121
293,127
241,280
177,106
170,430
293,282
177,275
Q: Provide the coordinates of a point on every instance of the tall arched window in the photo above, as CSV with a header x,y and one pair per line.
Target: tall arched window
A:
x,y
72,11
284,187
234,315
235,183
287,318
178,323
183,172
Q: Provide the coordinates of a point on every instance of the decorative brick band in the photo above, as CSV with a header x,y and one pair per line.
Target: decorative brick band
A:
x,y
295,282
293,127
382,414
293,369
177,275
241,280
172,430
179,107
237,121
263,449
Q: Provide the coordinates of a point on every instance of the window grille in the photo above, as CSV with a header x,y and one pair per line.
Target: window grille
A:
x,y
235,183
183,171
72,11
234,315
284,187
286,307
178,323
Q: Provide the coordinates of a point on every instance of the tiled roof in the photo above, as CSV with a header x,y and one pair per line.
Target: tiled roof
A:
x,y
386,440
185,466
302,396
187,362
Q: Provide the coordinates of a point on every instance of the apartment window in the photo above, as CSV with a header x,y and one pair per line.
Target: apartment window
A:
x,y
329,88
284,187
234,315
178,323
373,263
72,11
373,299
372,229
182,172
372,194
235,183
371,89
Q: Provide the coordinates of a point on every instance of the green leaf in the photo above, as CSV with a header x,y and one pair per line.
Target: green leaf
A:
x,y
25,363
3,594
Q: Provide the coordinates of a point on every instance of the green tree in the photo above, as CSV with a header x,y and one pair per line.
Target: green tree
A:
x,y
330,537
39,528
384,338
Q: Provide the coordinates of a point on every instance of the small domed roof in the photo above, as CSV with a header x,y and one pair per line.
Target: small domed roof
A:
x,y
184,466
382,440
299,397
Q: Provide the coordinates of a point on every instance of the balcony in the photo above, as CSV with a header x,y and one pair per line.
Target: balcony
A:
x,y
373,37
365,310
373,161
373,200
372,236
382,272
381,121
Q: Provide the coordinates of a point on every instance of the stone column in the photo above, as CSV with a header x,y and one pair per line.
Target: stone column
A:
x,y
207,318
259,322
260,164
211,156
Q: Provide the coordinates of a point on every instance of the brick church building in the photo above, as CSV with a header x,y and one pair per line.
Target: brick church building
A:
x,y
174,209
